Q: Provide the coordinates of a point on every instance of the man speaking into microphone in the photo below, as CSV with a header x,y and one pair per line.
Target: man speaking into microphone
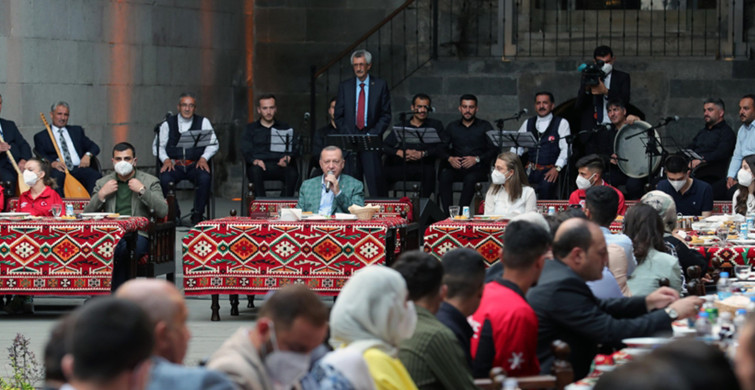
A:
x,y
332,192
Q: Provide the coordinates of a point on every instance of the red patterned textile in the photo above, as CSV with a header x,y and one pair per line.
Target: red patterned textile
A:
x,y
54,257
719,206
485,237
388,208
729,256
237,255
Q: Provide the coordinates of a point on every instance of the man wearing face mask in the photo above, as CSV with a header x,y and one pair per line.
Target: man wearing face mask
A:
x,y
274,354
127,191
592,100
590,170
692,196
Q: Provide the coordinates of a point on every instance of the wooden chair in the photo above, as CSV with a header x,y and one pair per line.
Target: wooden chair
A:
x,y
562,373
161,257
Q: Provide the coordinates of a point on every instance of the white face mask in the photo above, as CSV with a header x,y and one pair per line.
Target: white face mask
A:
x,y
744,177
607,68
285,367
123,168
497,177
30,178
584,183
678,184
405,329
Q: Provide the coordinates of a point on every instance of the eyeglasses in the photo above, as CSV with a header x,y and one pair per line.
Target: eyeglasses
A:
x,y
187,105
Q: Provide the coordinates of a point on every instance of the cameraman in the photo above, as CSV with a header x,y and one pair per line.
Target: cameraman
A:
x,y
592,99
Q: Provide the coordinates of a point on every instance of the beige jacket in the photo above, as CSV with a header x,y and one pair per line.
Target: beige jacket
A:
x,y
239,360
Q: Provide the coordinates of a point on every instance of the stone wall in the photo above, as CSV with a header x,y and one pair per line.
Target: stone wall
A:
x,y
120,64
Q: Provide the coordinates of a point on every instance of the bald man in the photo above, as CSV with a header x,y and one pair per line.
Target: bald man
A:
x,y
167,311
567,310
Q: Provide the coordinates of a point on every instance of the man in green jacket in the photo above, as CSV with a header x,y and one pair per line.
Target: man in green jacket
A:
x,y
332,192
127,192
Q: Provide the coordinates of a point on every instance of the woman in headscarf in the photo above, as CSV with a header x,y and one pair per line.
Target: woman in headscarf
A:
x,y
372,316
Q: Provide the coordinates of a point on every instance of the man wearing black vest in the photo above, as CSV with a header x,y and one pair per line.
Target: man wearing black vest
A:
x,y
189,163
545,164
269,148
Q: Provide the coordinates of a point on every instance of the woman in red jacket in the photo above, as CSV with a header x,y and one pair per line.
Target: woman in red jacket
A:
x,y
41,196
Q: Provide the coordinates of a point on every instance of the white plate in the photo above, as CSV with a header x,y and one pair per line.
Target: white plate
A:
x,y
749,241
605,367
93,215
645,342
14,215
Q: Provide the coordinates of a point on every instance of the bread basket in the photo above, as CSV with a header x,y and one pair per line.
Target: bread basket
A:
x,y
364,213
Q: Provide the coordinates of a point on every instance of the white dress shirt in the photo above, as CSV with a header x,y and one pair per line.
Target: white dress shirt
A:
x,y
75,158
541,124
500,204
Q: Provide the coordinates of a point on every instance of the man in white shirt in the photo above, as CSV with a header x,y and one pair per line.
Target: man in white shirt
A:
x,y
187,163
745,139
546,162
76,149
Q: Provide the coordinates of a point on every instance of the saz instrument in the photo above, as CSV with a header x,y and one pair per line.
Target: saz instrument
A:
x,y
20,183
72,188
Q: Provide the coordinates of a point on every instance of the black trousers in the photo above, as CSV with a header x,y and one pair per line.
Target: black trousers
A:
x,y
469,177
288,175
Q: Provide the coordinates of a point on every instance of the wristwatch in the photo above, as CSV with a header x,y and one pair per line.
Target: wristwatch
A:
x,y
142,191
477,159
558,169
671,313
88,154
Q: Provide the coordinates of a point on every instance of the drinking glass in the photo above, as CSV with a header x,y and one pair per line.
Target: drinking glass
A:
x,y
723,233
454,211
742,272
56,210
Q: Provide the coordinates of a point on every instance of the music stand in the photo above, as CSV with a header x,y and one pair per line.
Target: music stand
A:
x,y
281,141
195,139
513,139
417,136
356,143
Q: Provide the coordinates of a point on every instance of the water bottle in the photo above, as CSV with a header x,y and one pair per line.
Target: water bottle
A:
x,y
723,286
740,319
69,209
702,325
551,210
743,231
751,306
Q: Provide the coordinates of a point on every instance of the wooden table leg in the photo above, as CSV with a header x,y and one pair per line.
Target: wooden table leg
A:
x,y
215,306
250,301
234,304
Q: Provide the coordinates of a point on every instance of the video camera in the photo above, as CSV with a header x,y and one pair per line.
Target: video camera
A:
x,y
593,74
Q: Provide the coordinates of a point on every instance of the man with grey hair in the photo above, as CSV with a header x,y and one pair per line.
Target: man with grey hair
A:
x,y
12,142
715,144
166,309
75,147
363,107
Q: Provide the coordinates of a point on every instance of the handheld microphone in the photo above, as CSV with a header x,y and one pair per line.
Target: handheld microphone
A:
x,y
327,183
668,119
306,116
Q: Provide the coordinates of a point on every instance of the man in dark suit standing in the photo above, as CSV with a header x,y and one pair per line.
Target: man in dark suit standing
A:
x,y
567,310
363,106
14,142
592,100
75,147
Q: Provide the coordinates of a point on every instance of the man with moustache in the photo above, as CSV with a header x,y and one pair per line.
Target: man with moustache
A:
x,y
550,131
715,144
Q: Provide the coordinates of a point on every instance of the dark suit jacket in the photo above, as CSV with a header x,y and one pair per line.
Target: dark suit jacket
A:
x,y
567,310
82,144
378,107
620,89
18,145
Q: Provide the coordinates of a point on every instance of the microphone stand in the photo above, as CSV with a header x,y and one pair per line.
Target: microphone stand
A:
x,y
402,117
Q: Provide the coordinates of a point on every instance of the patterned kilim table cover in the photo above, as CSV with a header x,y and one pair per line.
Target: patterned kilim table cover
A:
x,y
388,208
54,257
237,255
485,237
728,256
